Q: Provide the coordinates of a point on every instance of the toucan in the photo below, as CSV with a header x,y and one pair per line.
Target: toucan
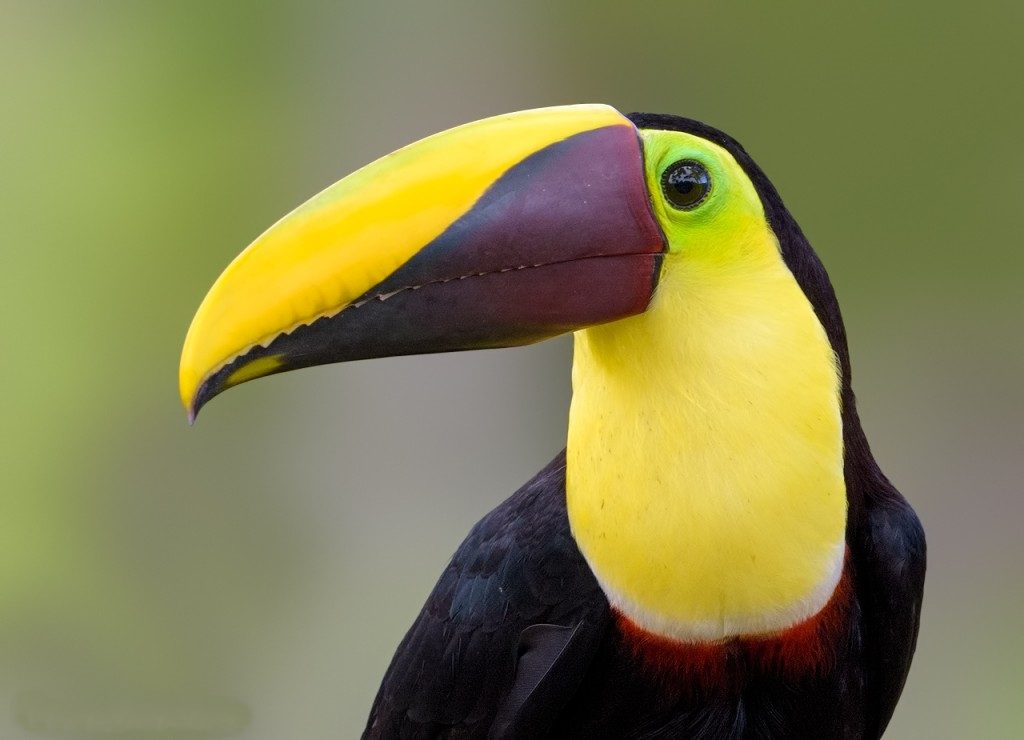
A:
x,y
716,553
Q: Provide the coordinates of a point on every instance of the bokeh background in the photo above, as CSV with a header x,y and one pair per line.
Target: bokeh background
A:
x,y
251,576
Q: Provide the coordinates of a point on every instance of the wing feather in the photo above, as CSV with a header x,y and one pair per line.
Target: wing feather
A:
x,y
466,659
891,557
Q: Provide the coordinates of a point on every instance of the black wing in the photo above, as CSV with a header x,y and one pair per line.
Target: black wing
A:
x,y
890,558
507,633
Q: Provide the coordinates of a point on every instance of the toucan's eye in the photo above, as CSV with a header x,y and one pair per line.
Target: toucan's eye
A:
x,y
686,184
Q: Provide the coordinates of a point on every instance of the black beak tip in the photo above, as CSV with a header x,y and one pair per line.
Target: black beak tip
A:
x,y
204,393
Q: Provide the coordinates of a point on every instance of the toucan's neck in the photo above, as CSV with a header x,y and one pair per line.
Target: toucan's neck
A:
x,y
705,454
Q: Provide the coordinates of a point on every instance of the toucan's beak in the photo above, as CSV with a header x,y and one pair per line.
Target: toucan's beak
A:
x,y
497,233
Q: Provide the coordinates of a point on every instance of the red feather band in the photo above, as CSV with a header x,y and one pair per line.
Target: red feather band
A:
x,y
809,648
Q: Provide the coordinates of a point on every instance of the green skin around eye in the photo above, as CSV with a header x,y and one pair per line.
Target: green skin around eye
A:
x,y
717,223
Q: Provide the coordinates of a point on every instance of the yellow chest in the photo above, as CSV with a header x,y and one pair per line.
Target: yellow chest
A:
x,y
705,456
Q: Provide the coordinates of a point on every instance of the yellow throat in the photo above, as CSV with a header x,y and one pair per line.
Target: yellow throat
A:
x,y
705,456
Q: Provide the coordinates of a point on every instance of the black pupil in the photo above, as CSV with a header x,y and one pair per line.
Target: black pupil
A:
x,y
686,184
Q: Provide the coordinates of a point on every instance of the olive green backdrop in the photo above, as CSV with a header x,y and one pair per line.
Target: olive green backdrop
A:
x,y
254,573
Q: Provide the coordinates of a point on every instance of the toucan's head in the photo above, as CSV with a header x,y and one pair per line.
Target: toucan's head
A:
x,y
500,232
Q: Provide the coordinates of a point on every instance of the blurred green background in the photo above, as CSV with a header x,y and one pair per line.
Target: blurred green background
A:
x,y
259,569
